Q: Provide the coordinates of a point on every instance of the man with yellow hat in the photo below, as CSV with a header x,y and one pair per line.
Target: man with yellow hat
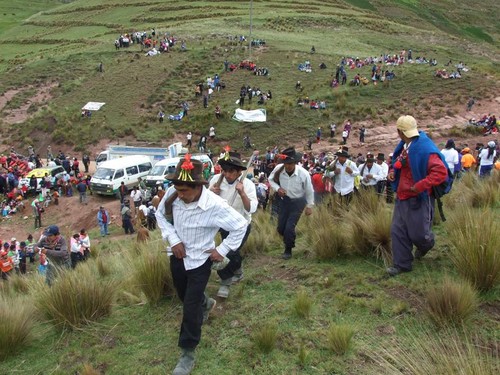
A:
x,y
417,166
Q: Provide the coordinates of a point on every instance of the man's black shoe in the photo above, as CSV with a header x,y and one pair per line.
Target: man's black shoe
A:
x,y
394,271
286,256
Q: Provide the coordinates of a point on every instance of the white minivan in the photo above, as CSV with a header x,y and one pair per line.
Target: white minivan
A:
x,y
158,175
110,174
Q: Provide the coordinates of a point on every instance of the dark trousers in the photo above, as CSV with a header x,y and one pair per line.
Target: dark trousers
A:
x,y
75,258
235,258
190,286
38,222
289,215
411,225
381,187
127,225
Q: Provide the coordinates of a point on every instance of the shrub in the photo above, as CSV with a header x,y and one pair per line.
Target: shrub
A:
x,y
265,338
451,302
16,320
75,298
303,304
152,273
339,338
475,247
485,194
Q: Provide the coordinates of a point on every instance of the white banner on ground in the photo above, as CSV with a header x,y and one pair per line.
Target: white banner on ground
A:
x,y
93,106
257,115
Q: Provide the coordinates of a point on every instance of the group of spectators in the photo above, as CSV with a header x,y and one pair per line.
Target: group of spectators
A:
x,y
51,249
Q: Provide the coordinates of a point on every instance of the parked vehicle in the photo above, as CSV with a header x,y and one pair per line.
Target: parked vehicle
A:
x,y
110,174
55,172
154,154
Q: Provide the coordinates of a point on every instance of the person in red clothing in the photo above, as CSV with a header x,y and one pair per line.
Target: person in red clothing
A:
x,y
417,166
6,264
318,185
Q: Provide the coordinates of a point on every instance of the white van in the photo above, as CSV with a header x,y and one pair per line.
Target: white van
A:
x,y
158,175
110,174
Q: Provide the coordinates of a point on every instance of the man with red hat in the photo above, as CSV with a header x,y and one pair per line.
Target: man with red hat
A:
x,y
295,193
189,216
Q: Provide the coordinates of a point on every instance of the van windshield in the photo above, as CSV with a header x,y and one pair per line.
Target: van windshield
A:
x,y
158,170
104,173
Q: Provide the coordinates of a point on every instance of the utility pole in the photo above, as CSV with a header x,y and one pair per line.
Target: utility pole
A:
x,y
250,36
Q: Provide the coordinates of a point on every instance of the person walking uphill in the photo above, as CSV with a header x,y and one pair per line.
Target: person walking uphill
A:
x,y
295,192
189,216
417,166
242,196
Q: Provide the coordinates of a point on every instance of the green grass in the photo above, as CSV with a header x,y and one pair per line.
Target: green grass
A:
x,y
67,42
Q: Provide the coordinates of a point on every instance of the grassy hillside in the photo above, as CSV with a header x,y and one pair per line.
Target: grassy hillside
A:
x,y
50,42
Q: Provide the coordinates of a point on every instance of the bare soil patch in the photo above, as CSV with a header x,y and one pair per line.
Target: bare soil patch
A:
x,y
21,114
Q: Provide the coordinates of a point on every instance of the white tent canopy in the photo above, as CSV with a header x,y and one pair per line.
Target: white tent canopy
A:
x,y
93,106
257,115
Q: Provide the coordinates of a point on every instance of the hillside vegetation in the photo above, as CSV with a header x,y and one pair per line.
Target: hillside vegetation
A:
x,y
61,43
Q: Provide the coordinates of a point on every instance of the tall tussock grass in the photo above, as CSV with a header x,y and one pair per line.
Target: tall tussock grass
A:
x,y
339,337
451,302
263,235
16,320
370,226
326,234
430,353
476,246
76,298
152,272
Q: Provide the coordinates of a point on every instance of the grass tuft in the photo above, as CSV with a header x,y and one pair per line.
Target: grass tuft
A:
x,y
451,302
339,338
16,320
476,246
152,273
445,352
265,338
303,304
76,298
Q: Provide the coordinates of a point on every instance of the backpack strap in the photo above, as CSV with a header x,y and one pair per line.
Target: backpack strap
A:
x,y
168,207
276,177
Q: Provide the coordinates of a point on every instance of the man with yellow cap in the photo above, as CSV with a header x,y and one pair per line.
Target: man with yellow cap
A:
x,y
417,166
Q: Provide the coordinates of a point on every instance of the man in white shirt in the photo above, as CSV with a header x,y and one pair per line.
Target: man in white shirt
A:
x,y
295,192
385,171
136,196
189,216
240,193
344,172
370,173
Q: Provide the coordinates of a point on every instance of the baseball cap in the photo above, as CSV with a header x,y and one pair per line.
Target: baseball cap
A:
x,y
408,125
52,230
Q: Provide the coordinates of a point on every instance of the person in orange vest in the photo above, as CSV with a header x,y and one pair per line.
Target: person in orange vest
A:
x,y
6,264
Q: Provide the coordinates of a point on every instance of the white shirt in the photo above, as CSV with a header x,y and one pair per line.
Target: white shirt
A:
x,y
189,136
212,132
85,241
451,157
385,170
483,155
229,193
344,182
375,171
296,186
136,196
197,223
